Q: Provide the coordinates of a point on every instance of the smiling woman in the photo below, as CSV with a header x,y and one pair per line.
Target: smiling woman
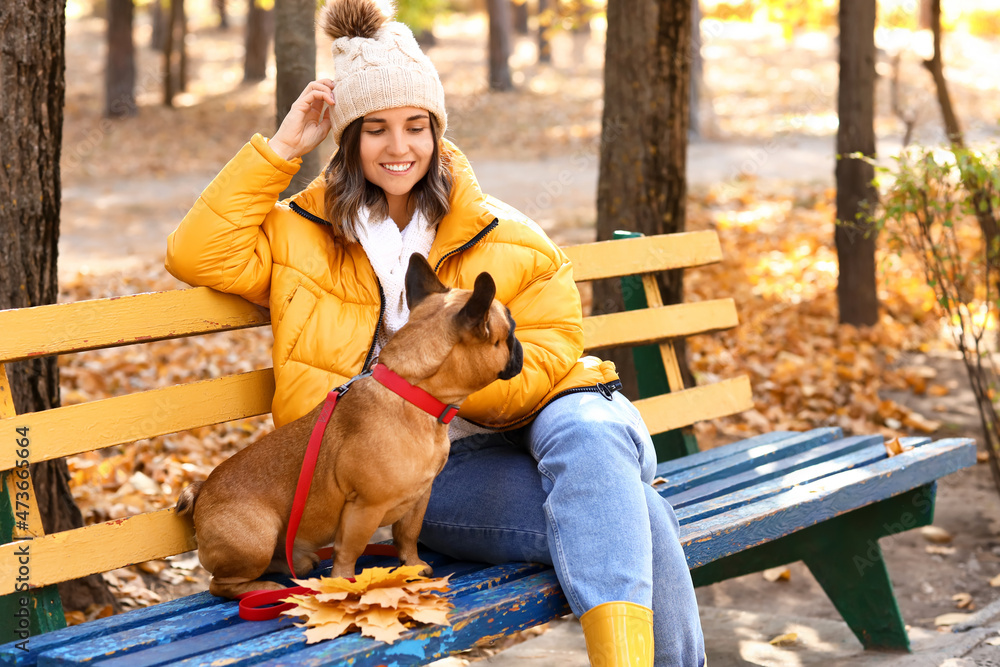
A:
x,y
552,465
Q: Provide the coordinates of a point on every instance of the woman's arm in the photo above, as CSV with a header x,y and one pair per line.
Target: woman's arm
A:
x,y
219,243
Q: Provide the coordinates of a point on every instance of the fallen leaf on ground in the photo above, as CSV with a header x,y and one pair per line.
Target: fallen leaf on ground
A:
x,y
995,581
784,640
936,535
939,550
952,618
779,573
962,600
982,457
378,603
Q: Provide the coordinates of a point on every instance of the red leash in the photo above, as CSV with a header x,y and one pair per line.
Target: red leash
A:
x,y
252,603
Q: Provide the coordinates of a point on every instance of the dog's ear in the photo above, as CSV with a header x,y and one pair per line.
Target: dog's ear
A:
x,y
475,312
421,281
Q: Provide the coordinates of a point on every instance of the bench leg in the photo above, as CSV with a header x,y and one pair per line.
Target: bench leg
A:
x,y
35,611
855,578
844,555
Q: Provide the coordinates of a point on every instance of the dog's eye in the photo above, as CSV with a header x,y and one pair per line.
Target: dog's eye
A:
x,y
496,344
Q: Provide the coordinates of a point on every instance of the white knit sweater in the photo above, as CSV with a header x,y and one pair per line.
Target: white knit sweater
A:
x,y
389,252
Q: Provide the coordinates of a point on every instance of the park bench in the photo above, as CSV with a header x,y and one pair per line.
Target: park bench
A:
x,y
772,499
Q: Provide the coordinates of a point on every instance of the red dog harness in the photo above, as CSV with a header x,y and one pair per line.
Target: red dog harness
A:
x,y
252,603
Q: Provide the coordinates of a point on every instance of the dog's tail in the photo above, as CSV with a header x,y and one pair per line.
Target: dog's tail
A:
x,y
187,498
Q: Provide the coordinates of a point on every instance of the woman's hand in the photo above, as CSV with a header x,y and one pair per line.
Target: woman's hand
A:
x,y
306,124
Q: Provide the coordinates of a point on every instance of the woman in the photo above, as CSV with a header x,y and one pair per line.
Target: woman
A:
x,y
551,466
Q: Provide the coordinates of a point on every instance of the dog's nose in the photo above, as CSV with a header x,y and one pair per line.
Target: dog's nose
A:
x,y
514,362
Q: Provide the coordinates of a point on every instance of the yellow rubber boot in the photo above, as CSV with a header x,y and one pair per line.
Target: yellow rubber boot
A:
x,y
619,634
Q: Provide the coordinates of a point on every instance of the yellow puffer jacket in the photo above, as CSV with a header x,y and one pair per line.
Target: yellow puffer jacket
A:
x,y
325,300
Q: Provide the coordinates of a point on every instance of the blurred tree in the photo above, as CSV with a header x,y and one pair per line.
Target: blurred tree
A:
x,y
174,81
500,44
295,61
854,234
642,185
223,12
119,74
520,10
32,78
158,35
260,29
697,69
545,20
974,178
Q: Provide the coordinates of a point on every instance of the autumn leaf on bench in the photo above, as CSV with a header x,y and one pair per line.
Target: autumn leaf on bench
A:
x,y
381,602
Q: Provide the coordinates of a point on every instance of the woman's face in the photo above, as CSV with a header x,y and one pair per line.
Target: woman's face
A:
x,y
396,148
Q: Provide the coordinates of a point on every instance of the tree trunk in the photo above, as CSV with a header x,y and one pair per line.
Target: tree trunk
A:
x,y
32,77
544,25
182,65
260,28
981,196
295,61
856,195
168,54
697,69
642,185
158,35
174,80
119,75
520,13
500,45
223,12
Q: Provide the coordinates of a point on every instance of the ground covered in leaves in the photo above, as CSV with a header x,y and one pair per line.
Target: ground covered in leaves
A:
x,y
780,267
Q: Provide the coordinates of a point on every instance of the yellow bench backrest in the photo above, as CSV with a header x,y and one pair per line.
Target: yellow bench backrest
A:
x,y
100,323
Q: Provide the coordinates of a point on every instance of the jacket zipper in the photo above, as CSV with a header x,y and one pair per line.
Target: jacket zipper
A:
x,y
471,242
605,389
381,312
307,215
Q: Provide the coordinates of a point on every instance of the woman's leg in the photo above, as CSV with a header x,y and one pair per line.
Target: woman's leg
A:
x,y
613,538
491,504
486,505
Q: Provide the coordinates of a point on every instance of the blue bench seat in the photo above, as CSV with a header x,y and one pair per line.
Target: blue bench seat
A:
x,y
769,500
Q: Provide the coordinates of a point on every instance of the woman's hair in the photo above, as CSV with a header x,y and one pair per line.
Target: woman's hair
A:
x,y
347,189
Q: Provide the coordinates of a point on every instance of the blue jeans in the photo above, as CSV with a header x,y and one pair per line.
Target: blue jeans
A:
x,y
572,490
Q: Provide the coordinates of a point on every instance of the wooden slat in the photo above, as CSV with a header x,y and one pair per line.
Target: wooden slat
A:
x,y
196,636
649,325
706,457
477,620
763,521
740,496
741,461
11,480
670,411
99,548
626,257
667,352
74,429
760,474
139,318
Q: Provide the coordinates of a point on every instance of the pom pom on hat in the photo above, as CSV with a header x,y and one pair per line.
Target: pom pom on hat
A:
x,y
379,64
354,18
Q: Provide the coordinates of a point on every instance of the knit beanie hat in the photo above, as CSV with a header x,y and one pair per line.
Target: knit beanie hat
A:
x,y
378,64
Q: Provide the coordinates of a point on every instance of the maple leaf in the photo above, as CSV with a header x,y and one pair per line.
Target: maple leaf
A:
x,y
377,603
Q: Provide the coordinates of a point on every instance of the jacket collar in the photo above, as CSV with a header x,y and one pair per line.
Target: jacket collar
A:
x,y
468,214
